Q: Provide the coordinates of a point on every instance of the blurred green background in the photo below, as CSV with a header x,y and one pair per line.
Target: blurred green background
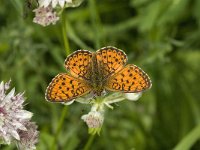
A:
x,y
160,36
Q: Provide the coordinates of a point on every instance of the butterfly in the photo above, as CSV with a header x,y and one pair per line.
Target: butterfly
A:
x,y
97,72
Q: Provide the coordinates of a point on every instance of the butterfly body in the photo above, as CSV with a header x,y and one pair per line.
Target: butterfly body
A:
x,y
96,77
95,72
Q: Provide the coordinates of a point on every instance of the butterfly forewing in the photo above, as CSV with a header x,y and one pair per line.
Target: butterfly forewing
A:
x,y
130,79
64,88
79,64
110,60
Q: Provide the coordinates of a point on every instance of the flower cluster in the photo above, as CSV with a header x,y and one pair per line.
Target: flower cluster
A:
x,y
28,138
95,118
15,124
45,14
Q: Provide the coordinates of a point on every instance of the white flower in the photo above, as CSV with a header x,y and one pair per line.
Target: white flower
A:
x,y
28,138
61,3
45,16
13,118
94,119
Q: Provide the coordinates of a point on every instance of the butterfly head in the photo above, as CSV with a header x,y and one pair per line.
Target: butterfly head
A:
x,y
99,92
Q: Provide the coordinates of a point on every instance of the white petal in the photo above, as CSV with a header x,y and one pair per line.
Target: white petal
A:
x,y
19,125
1,86
54,3
61,2
41,3
23,114
15,134
132,96
45,3
10,94
1,122
68,1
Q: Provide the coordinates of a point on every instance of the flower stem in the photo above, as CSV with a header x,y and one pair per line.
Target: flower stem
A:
x,y
96,23
64,33
89,142
59,127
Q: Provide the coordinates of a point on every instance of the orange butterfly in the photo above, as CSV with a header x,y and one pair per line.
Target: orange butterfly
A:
x,y
95,72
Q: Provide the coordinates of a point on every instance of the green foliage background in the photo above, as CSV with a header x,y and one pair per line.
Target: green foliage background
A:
x,y
160,36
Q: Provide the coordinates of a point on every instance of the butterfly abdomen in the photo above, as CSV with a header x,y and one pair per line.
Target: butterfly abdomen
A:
x,y
96,77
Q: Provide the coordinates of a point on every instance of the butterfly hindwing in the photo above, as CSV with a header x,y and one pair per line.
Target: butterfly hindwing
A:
x,y
131,79
64,88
